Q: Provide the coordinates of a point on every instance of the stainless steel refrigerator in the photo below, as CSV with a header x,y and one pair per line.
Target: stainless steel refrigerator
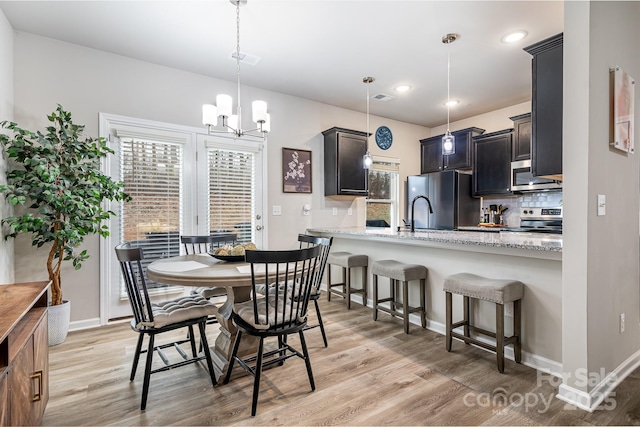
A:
x,y
450,195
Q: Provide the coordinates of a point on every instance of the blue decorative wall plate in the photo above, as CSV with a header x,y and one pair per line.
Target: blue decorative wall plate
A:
x,y
384,138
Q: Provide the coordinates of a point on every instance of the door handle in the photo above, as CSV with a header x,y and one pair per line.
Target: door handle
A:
x,y
258,227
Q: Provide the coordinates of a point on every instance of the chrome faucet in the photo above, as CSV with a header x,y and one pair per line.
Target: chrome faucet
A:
x,y
413,203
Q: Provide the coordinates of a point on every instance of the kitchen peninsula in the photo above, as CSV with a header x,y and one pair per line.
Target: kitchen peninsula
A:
x,y
533,258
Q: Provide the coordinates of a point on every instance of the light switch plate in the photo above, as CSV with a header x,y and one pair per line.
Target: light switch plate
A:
x,y
350,211
602,205
335,211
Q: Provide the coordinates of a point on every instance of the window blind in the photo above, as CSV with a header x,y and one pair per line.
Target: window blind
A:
x,y
152,175
231,192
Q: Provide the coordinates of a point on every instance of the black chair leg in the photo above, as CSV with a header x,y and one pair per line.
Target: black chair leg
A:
x,y
232,359
256,381
192,339
207,352
324,335
136,357
307,361
147,373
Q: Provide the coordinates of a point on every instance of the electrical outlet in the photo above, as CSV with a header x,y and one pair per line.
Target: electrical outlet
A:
x,y
622,323
508,309
335,211
276,210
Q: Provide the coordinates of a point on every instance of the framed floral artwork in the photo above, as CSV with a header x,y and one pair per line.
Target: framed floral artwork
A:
x,y
296,170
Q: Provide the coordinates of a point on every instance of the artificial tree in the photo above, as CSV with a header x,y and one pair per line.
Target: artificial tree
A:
x,y
57,176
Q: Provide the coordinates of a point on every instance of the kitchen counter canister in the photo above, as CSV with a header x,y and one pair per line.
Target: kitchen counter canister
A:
x,y
525,244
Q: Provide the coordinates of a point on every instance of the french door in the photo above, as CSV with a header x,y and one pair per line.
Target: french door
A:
x,y
181,182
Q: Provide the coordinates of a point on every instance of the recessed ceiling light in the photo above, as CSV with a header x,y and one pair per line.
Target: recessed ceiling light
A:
x,y
403,88
514,36
451,103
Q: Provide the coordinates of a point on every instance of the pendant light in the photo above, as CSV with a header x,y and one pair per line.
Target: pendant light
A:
x,y
448,140
224,103
367,160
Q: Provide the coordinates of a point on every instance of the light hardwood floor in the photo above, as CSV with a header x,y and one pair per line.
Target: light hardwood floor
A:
x,y
371,374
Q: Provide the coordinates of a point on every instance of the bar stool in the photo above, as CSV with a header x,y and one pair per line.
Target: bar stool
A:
x,y
498,291
399,272
347,261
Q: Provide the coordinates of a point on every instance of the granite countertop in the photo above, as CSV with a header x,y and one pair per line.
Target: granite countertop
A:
x,y
516,240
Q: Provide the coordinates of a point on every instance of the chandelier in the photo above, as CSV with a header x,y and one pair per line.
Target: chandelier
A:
x,y
223,108
448,140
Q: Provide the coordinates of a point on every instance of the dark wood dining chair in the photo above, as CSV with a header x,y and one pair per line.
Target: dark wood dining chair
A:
x,y
276,313
325,244
156,318
203,245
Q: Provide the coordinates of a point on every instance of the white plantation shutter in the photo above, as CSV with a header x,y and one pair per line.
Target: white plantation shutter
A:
x,y
231,180
152,173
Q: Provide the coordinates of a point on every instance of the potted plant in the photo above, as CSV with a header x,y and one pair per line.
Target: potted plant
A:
x,y
56,175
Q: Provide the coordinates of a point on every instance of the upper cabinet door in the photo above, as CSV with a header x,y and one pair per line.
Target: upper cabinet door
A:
x,y
432,160
546,108
492,163
344,172
521,149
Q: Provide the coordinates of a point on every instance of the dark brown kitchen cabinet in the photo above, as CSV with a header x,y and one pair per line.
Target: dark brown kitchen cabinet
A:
x,y
521,137
24,353
432,160
491,174
546,108
344,172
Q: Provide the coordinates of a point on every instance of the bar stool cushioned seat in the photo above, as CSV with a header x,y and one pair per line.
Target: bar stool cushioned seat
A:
x,y
347,261
397,271
498,291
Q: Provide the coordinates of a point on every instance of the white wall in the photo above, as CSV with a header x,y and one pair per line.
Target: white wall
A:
x,y
86,81
601,277
490,122
6,113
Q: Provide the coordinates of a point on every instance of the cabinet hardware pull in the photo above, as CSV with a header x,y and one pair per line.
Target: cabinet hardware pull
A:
x,y
37,396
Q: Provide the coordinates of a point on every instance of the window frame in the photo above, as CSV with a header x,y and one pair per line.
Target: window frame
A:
x,y
390,165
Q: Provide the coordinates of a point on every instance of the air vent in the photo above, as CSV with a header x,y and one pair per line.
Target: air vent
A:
x,y
245,58
383,97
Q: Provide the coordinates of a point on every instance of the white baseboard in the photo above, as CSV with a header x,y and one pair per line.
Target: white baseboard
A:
x,y
602,392
79,325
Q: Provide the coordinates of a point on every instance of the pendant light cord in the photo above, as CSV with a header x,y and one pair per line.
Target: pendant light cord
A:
x,y
448,72
238,110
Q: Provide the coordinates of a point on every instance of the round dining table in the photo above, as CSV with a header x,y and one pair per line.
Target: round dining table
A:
x,y
203,270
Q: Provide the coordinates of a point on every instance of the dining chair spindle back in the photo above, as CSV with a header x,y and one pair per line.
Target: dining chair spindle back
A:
x,y
275,313
151,318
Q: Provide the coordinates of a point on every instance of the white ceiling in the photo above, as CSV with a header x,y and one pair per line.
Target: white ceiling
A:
x,y
321,49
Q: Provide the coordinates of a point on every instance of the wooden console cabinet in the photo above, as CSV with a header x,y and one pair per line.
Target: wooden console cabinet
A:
x,y
24,353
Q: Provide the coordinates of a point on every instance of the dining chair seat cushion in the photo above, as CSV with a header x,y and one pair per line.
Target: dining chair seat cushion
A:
x,y
262,289
207,292
178,310
246,312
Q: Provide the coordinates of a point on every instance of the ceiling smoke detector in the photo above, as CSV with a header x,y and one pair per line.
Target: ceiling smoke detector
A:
x,y
383,97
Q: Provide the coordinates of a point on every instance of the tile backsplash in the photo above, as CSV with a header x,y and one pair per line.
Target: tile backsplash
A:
x,y
542,199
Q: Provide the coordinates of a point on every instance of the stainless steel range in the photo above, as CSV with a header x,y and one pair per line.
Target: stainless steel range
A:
x,y
540,220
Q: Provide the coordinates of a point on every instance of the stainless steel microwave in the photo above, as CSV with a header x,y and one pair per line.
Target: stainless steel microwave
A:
x,y
523,180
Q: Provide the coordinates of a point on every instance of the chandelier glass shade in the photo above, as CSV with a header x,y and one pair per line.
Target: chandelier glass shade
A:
x,y
223,108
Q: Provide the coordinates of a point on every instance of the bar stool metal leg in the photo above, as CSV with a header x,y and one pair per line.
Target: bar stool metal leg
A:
x,y
405,305
467,316
375,297
347,286
500,336
449,315
517,318
423,309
